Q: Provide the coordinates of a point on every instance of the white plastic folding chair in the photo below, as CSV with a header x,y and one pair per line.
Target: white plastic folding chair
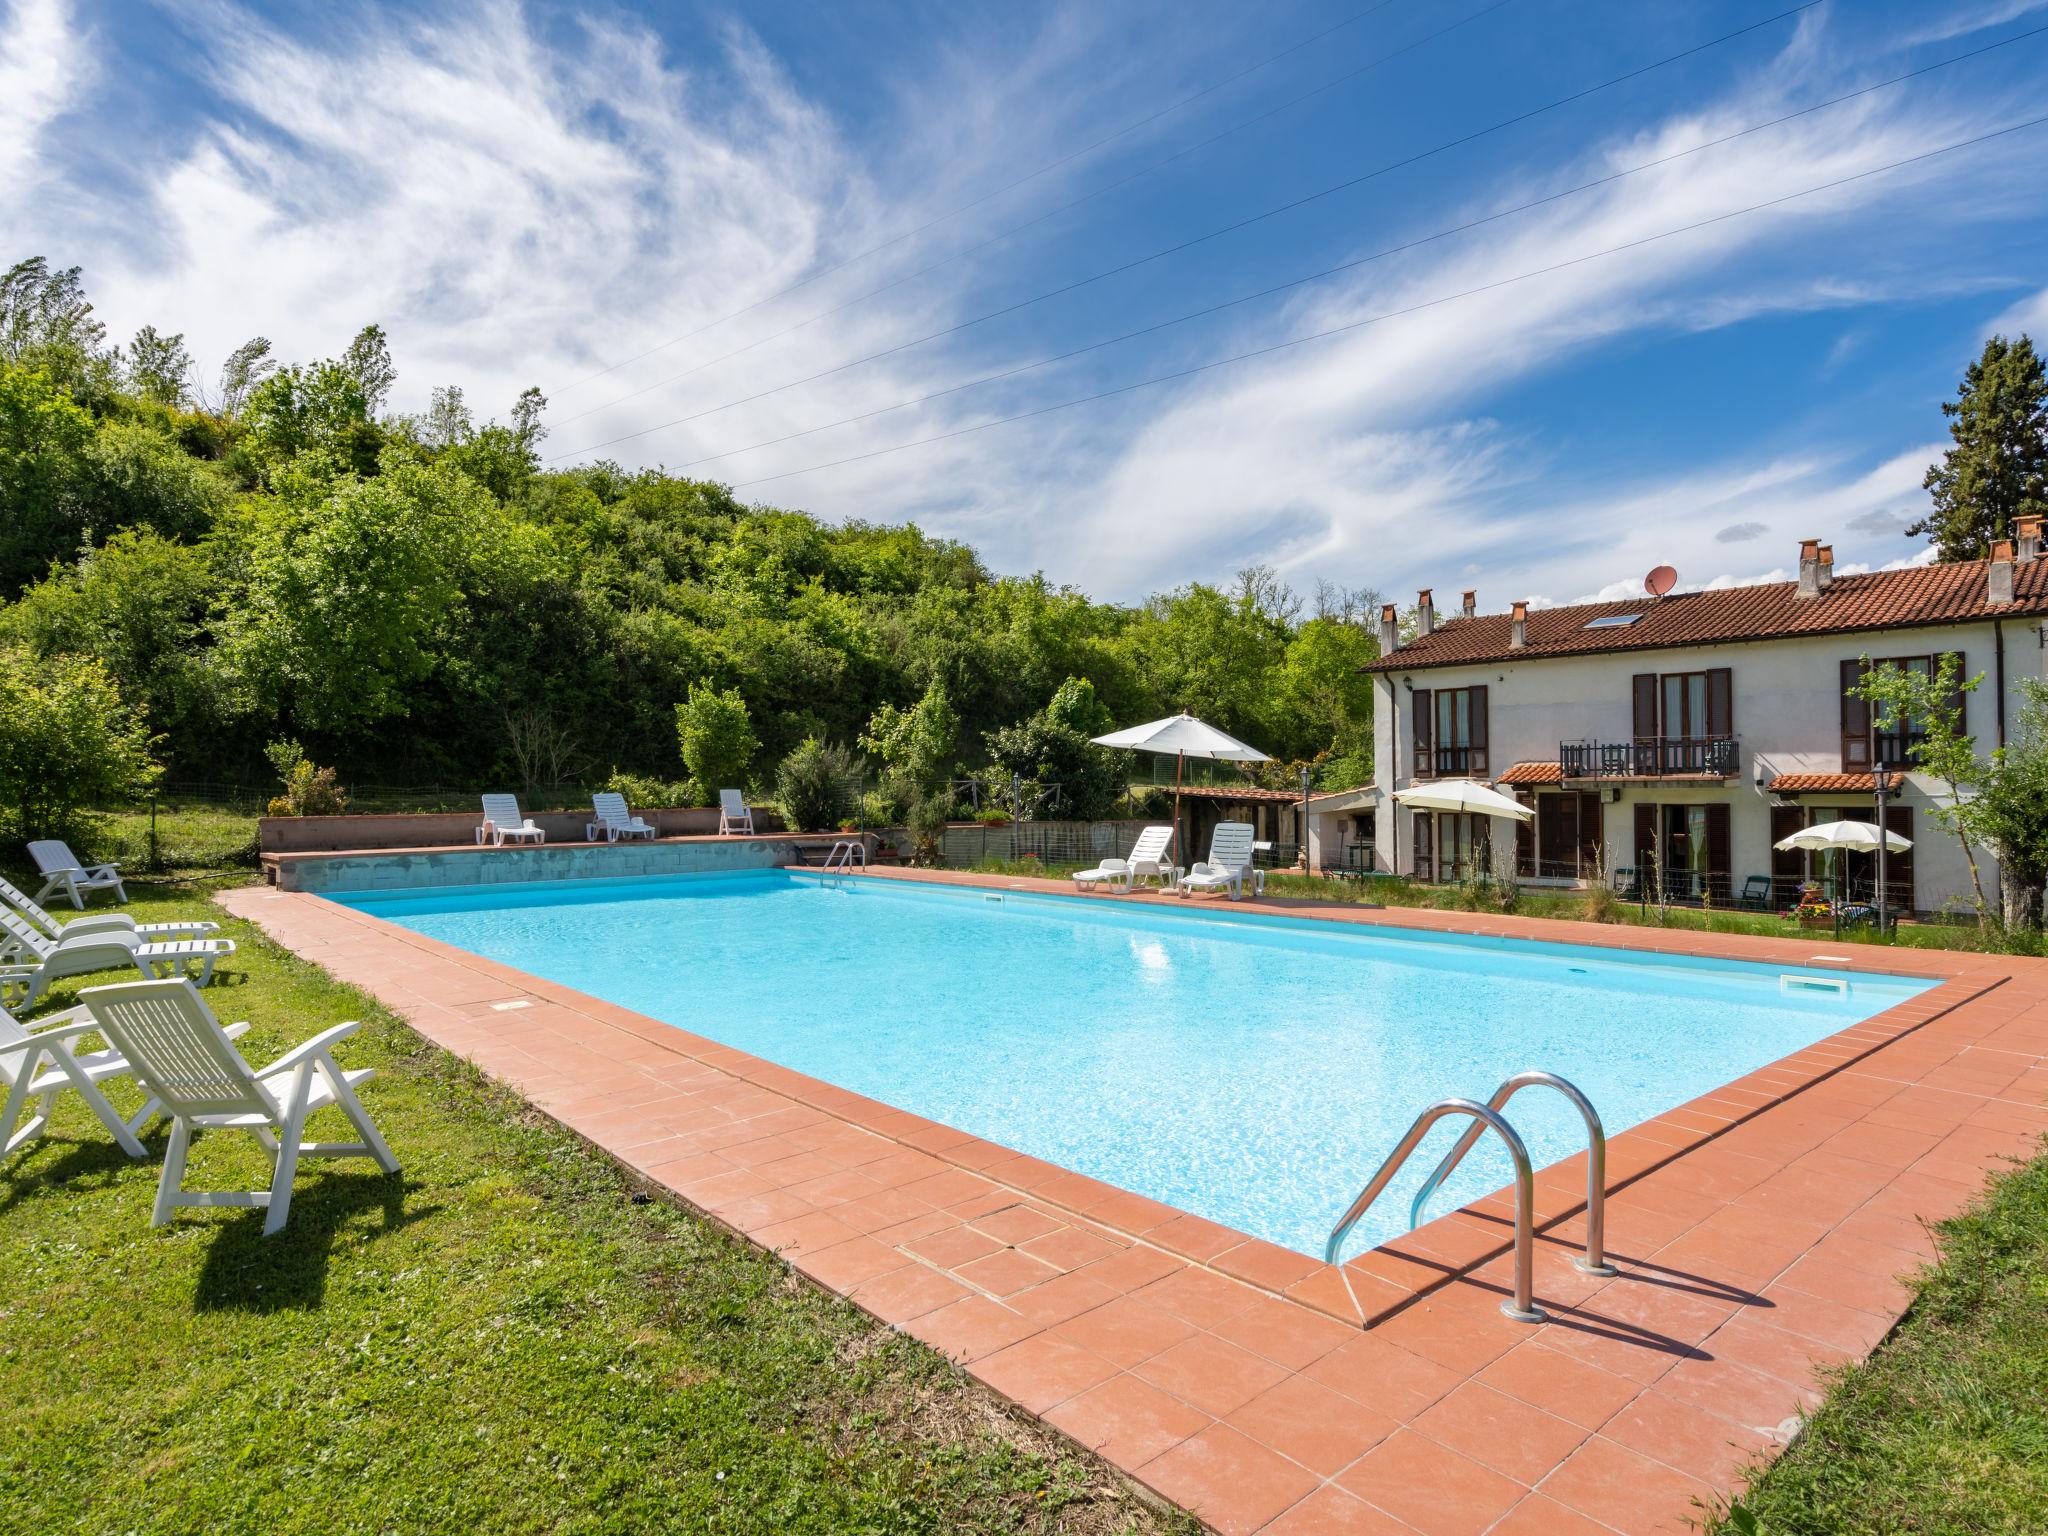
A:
x,y
52,926
32,961
733,812
42,1058
62,871
503,822
178,1051
613,819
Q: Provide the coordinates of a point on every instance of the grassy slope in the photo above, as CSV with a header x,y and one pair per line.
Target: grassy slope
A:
x,y
498,1340
1944,1430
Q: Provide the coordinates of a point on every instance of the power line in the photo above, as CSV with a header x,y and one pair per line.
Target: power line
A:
x,y
1009,186
1360,261
1393,314
1231,228
1051,213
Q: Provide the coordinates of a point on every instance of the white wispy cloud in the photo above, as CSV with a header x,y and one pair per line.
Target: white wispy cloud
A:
x,y
43,68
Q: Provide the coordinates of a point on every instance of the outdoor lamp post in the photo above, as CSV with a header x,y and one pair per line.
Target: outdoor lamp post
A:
x,y
1307,867
1881,781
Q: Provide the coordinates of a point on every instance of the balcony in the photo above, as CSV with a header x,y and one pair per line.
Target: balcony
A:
x,y
1651,758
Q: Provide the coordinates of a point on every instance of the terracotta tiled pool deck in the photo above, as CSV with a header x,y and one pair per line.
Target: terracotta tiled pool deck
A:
x,y
1760,1232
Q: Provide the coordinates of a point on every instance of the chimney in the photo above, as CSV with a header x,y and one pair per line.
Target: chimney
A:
x,y
2000,591
1471,603
1425,613
1519,625
1827,566
1390,630
2027,529
1809,568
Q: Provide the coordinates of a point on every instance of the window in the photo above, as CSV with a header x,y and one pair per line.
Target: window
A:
x,y
1685,722
1867,740
1688,846
1612,621
1563,842
1450,732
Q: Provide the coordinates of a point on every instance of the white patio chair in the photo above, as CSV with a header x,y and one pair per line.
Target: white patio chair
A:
x,y
23,1051
62,871
733,814
504,822
1148,857
1229,862
613,819
37,961
178,1051
1114,873
56,927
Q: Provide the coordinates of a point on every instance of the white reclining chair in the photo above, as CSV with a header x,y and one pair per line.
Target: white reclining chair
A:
x,y
505,823
1228,864
733,814
62,871
35,961
1114,873
613,819
178,1051
52,926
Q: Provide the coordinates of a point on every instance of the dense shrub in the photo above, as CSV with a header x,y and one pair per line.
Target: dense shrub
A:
x,y
68,744
308,790
717,738
814,785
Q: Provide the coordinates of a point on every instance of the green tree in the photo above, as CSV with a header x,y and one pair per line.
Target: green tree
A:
x,y
1998,468
69,743
139,478
46,323
1047,754
158,367
368,360
814,785
315,411
717,738
346,601
2010,809
45,470
246,367
918,742
1933,701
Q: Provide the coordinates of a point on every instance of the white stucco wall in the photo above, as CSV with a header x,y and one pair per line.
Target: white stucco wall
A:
x,y
1786,717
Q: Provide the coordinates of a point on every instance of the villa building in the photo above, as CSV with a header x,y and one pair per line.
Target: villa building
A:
x,y
1681,737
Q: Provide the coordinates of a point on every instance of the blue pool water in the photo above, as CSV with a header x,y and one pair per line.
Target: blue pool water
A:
x,y
1252,1069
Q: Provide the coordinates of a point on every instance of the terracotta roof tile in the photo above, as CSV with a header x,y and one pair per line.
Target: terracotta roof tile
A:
x,y
1533,773
1823,784
1924,595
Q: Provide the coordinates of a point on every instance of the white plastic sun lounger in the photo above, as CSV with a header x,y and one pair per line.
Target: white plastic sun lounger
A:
x,y
1229,862
62,871
733,814
24,1050
52,926
505,823
38,961
1114,873
178,1051
1148,857
613,819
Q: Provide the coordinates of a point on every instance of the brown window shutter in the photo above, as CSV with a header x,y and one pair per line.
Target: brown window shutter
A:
x,y
1788,865
1423,862
1525,837
1855,721
1646,704
1898,864
1718,858
1476,761
1425,735
1721,702
1958,700
1646,839
1591,839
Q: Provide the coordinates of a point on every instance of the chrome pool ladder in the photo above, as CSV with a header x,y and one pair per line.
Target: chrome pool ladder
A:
x,y
841,856
1522,1306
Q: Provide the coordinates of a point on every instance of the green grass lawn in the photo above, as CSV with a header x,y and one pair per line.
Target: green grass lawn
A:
x,y
500,1339
1944,1430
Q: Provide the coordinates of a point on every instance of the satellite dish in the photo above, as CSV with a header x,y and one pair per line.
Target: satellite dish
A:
x,y
1660,580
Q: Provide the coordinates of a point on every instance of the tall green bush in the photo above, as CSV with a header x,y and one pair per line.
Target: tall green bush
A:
x,y
717,738
814,785
68,744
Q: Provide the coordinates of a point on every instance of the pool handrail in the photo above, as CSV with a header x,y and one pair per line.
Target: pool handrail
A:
x,y
1594,1260
1522,1307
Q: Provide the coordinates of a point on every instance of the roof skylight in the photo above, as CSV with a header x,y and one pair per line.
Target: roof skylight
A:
x,y
1612,620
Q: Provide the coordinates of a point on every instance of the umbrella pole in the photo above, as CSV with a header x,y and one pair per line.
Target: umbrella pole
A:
x,y
1180,760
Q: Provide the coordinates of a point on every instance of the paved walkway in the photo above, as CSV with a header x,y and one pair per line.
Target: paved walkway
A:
x,y
1760,1232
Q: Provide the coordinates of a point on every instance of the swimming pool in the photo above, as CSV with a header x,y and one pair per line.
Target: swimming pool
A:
x,y
1247,1067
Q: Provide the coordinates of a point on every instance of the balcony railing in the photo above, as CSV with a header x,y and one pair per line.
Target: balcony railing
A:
x,y
1651,757
1451,763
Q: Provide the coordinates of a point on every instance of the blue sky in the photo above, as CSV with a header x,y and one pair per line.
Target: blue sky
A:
x,y
542,194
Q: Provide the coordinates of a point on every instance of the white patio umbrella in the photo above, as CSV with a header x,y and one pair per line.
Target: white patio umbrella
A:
x,y
1185,737
1857,836
1462,795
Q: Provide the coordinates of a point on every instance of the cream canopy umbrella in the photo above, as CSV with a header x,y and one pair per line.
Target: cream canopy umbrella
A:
x,y
1462,795
1856,836
1185,737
